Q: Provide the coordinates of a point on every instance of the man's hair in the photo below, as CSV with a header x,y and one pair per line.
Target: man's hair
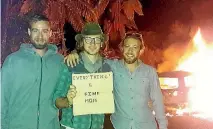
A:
x,y
80,45
36,18
133,35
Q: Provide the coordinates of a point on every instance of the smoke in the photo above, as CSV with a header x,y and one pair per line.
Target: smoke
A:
x,y
172,56
179,40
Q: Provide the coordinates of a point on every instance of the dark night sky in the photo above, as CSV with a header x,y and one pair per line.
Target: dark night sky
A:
x,y
158,16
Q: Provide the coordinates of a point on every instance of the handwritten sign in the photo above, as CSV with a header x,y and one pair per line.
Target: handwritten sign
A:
x,y
94,93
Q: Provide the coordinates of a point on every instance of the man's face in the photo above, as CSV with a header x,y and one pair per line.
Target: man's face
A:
x,y
92,44
39,34
131,50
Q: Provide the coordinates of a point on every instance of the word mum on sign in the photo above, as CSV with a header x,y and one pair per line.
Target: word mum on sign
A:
x,y
94,93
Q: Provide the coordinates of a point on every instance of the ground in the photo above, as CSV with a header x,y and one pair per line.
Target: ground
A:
x,y
186,122
180,122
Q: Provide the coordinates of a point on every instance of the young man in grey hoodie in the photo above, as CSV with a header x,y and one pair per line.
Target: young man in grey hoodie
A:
x,y
28,80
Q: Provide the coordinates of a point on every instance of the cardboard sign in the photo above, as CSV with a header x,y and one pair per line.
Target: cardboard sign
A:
x,y
94,93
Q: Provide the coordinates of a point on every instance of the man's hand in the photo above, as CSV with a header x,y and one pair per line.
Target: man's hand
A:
x,y
72,59
71,94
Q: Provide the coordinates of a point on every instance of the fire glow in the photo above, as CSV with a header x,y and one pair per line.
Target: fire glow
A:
x,y
200,64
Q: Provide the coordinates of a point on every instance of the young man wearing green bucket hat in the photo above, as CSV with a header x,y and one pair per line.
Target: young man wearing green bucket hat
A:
x,y
135,85
90,41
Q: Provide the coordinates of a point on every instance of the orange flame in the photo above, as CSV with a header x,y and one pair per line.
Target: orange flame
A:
x,y
200,64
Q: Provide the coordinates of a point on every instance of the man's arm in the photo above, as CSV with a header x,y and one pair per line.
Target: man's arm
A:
x,y
157,100
6,84
59,97
73,59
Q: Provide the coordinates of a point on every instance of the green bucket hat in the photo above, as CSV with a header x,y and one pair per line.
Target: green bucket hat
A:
x,y
91,28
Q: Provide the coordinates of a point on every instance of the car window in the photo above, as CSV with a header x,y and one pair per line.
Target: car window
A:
x,y
168,83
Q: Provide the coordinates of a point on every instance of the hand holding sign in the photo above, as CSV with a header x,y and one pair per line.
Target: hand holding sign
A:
x,y
71,94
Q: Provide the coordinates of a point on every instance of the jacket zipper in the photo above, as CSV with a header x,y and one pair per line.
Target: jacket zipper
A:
x,y
38,108
91,122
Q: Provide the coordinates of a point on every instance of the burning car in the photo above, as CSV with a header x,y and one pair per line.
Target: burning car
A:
x,y
193,93
175,87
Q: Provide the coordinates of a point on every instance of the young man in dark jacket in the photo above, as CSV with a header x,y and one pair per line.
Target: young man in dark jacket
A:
x,y
28,80
90,41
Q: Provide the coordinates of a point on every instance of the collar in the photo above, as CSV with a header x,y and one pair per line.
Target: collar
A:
x,y
89,65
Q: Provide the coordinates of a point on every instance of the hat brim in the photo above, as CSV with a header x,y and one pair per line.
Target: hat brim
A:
x,y
78,37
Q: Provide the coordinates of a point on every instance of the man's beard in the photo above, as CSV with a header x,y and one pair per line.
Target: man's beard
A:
x,y
90,53
130,61
39,46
